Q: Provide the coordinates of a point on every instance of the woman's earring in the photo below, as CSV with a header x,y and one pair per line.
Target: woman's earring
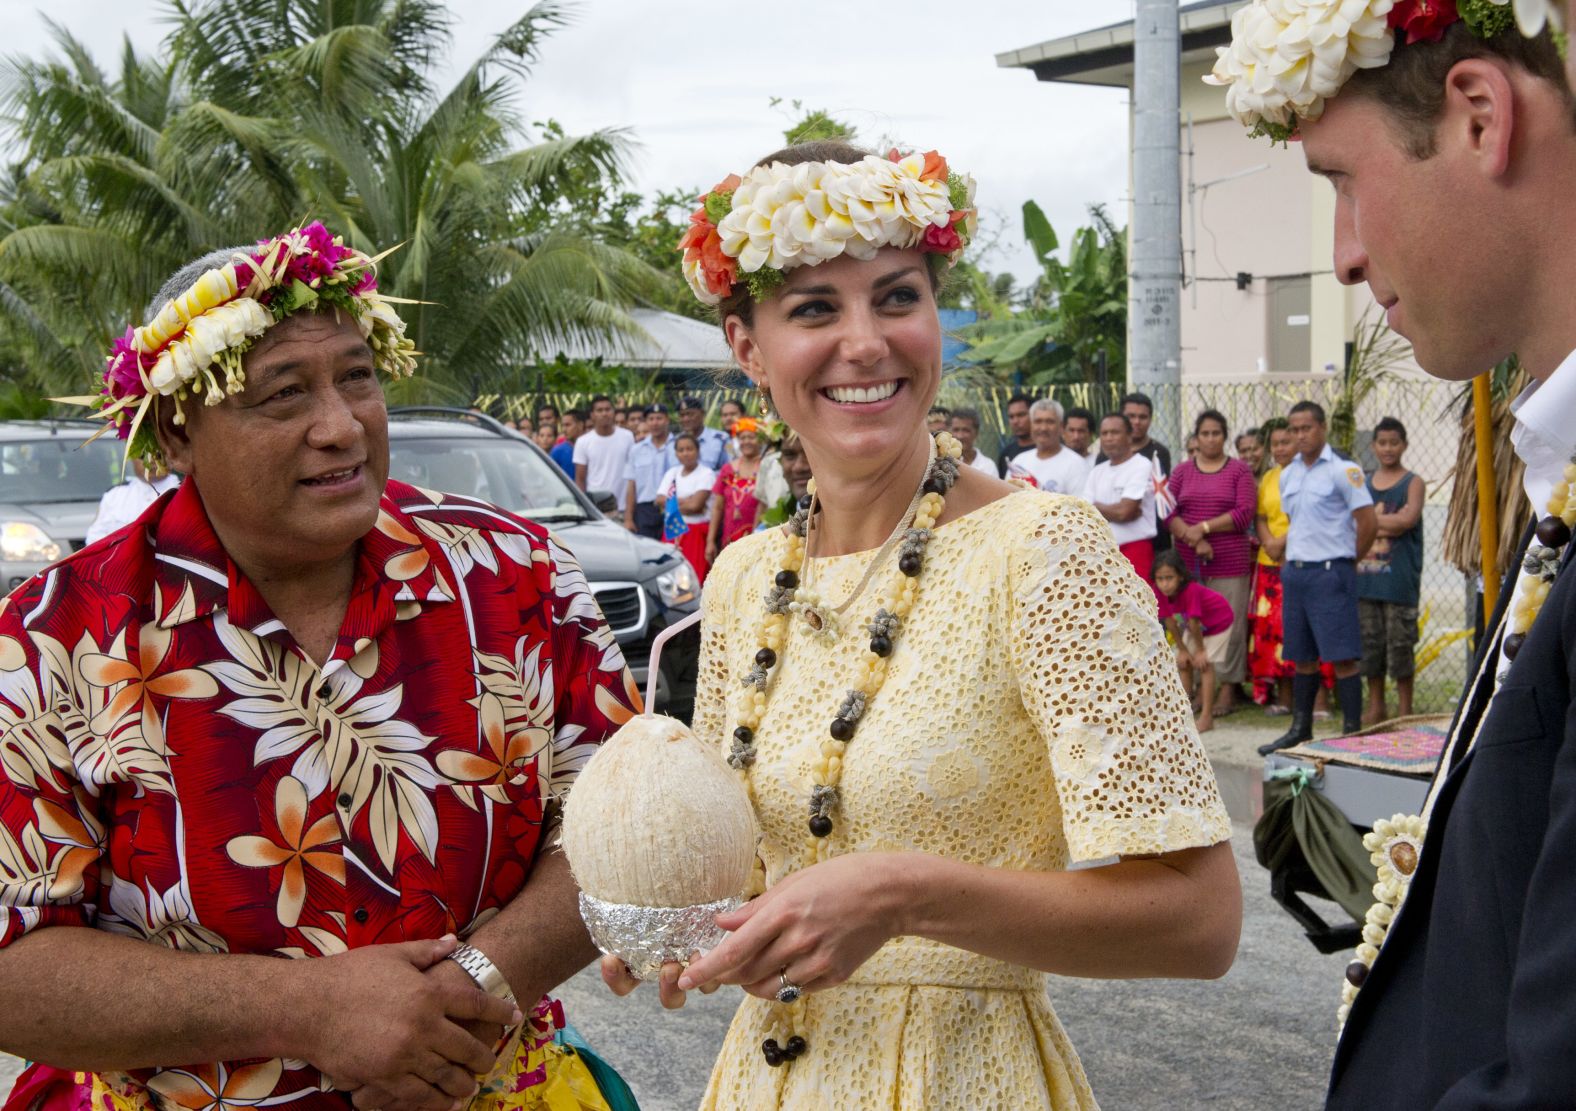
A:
x,y
766,403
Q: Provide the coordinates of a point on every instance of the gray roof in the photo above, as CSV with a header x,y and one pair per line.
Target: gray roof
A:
x,y
670,341
1104,56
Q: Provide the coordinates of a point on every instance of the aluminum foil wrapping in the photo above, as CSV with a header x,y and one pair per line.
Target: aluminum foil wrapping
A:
x,y
645,937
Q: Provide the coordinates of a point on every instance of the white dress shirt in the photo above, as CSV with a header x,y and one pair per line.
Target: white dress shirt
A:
x,y
1545,440
123,504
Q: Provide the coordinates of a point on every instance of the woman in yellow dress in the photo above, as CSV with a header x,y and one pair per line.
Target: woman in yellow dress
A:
x,y
942,691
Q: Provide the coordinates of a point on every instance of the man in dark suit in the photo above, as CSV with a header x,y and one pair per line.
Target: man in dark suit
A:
x,y
1452,160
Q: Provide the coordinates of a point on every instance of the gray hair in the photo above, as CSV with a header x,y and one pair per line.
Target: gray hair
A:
x,y
186,277
1046,405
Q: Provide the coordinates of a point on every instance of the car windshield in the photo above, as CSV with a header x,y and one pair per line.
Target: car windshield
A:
x,y
505,472
59,469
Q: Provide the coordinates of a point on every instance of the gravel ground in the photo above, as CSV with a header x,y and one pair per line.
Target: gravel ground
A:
x,y
1261,1037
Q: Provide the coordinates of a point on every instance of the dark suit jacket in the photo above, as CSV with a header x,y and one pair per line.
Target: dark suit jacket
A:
x,y
1472,1002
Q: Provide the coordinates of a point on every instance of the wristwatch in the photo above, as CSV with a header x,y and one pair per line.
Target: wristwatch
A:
x,y
483,971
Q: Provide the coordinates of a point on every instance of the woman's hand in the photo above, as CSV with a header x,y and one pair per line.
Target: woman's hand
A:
x,y
816,927
711,549
1203,549
1201,659
1192,534
1276,547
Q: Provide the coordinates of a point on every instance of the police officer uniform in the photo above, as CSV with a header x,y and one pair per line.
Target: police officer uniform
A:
x,y
647,464
1319,582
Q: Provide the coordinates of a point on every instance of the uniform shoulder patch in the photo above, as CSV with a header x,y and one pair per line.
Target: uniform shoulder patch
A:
x,y
1354,475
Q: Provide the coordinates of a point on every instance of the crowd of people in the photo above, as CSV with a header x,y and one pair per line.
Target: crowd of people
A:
x,y
1268,564
700,487
1242,631
299,710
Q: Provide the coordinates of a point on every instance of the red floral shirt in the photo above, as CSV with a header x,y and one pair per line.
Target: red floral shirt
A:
x,y
174,768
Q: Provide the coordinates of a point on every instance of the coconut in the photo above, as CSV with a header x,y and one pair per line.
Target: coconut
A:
x,y
661,837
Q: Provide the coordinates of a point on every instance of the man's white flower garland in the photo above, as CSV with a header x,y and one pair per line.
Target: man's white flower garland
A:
x,y
1288,57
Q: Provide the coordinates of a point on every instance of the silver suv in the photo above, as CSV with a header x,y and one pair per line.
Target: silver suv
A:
x,y
643,586
51,480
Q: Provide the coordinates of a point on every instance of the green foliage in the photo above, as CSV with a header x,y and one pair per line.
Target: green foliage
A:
x,y
17,403
1073,317
1486,18
1279,134
1375,353
254,116
814,125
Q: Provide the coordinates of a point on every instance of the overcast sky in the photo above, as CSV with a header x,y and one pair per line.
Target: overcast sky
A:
x,y
692,81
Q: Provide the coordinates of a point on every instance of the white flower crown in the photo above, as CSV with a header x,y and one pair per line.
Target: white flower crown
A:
x,y
1287,57
777,217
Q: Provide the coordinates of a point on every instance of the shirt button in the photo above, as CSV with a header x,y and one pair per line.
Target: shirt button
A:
x,y
361,914
324,692
345,801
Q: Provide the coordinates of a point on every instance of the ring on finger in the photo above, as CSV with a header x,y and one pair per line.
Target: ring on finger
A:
x,y
788,991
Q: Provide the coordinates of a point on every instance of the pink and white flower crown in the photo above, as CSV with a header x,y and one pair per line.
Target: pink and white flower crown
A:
x,y
193,346
777,217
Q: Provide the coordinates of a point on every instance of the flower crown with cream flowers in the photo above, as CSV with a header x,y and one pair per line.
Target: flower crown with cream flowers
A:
x,y
1287,57
194,344
753,229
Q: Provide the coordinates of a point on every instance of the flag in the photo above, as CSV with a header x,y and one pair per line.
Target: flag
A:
x,y
673,523
1165,504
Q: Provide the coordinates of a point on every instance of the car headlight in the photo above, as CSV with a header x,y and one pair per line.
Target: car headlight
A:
x,y
678,586
21,542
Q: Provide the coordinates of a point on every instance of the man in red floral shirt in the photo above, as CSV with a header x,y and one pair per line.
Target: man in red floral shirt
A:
x,y
294,711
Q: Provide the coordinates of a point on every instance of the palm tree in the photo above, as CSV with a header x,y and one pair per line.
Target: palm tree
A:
x,y
271,112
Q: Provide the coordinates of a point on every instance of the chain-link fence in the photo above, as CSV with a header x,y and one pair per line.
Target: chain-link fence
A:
x,y
1431,411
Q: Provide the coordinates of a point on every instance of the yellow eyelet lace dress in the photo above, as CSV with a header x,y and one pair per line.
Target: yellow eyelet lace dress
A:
x,y
1032,716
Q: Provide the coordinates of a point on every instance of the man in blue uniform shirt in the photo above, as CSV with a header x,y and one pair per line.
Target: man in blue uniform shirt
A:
x,y
713,442
1332,526
649,460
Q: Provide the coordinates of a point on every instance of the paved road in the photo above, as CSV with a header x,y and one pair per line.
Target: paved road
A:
x,y
1261,1037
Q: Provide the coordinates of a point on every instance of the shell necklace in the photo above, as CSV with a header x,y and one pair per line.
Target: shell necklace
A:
x,y
788,596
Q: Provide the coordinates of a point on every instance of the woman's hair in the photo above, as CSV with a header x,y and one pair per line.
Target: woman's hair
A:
x,y
739,303
682,436
1169,558
1272,426
1253,434
1215,415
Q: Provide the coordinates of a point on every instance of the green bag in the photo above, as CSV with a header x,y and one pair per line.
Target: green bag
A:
x,y
1299,819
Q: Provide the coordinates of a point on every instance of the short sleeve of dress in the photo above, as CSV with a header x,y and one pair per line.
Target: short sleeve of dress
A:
x,y
721,604
1100,684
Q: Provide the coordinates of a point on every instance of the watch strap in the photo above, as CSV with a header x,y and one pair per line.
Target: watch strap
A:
x,y
479,968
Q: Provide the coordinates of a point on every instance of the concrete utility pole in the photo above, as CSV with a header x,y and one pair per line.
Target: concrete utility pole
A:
x,y
1154,324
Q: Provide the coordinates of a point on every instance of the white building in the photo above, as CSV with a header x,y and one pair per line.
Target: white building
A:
x,y
1261,301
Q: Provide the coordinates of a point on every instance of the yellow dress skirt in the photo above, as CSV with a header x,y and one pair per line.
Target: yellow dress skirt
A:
x,y
1032,717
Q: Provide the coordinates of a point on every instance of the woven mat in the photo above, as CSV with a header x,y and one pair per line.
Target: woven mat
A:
x,y
1406,746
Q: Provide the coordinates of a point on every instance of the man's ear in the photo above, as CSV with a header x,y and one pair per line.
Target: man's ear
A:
x,y
1479,114
174,439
